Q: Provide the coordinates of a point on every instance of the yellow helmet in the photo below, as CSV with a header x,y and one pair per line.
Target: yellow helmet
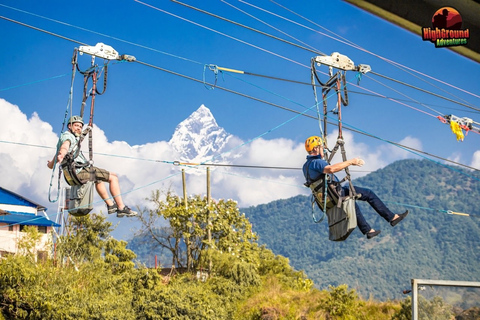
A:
x,y
312,142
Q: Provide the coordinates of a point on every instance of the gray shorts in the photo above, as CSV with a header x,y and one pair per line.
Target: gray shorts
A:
x,y
100,174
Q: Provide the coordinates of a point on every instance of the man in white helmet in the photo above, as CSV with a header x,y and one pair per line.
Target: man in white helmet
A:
x,y
69,142
316,167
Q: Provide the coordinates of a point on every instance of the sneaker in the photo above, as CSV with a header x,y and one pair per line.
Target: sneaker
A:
x,y
126,212
401,216
372,234
112,209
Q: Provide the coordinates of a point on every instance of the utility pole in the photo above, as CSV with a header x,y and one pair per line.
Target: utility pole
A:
x,y
184,188
209,223
187,240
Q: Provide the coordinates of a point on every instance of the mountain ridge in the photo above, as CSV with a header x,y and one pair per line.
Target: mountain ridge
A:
x,y
423,246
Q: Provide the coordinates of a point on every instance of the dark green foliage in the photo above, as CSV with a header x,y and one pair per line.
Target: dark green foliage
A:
x,y
93,275
184,298
405,312
45,291
341,303
428,244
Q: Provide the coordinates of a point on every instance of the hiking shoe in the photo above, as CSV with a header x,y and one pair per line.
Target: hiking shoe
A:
x,y
372,234
112,209
401,216
126,212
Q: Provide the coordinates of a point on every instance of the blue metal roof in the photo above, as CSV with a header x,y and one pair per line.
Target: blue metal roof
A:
x,y
9,197
27,219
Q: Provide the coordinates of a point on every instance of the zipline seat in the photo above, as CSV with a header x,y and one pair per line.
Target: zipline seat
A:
x,y
340,210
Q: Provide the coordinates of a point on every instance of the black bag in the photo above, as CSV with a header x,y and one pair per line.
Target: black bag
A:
x,y
342,220
81,199
334,192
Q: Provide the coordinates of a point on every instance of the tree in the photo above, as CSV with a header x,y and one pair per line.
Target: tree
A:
x,y
99,287
341,303
29,241
435,309
405,312
186,236
90,241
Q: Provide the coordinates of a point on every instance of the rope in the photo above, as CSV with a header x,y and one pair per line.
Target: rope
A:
x,y
42,30
214,69
425,91
100,34
69,107
148,47
313,50
48,32
34,82
352,44
241,25
223,34
431,209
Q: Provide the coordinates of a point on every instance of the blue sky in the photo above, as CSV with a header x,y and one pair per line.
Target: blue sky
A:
x,y
143,105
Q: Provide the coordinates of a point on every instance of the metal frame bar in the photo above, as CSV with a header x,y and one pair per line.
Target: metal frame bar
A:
x,y
447,283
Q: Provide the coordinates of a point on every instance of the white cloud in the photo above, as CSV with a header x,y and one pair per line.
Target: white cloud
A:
x,y
476,160
252,186
27,144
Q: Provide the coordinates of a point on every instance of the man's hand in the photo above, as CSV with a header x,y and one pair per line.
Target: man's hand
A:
x,y
357,162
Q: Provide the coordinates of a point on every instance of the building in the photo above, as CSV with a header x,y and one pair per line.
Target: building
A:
x,y
16,212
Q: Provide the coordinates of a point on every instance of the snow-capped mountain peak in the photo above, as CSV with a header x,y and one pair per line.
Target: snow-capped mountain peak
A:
x,y
199,138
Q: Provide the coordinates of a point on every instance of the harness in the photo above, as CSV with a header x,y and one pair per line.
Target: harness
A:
x,y
69,166
326,192
334,191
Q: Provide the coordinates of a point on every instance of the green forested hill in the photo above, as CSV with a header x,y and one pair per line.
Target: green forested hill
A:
x,y
428,244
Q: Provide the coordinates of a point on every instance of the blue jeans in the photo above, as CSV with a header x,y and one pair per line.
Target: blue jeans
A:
x,y
375,202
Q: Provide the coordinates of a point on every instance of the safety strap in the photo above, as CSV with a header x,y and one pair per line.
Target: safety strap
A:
x,y
326,191
69,166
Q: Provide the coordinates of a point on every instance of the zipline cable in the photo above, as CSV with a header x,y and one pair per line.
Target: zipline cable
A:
x,y
51,33
271,26
261,32
244,26
65,39
62,37
163,69
352,44
100,34
220,33
42,30
425,91
221,88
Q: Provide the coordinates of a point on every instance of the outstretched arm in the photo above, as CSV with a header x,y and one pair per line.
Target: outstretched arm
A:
x,y
342,165
60,155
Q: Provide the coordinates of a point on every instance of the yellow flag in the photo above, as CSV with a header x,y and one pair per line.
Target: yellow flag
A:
x,y
456,130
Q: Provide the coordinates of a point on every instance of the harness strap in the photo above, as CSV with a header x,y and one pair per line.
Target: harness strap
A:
x,y
69,166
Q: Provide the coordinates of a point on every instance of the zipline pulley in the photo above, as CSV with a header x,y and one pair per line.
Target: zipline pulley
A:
x,y
342,62
459,125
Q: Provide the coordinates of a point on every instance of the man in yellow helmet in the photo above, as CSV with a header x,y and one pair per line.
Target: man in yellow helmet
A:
x,y
316,167
67,143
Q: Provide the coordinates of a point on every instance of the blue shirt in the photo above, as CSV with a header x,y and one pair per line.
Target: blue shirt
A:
x,y
67,135
315,165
